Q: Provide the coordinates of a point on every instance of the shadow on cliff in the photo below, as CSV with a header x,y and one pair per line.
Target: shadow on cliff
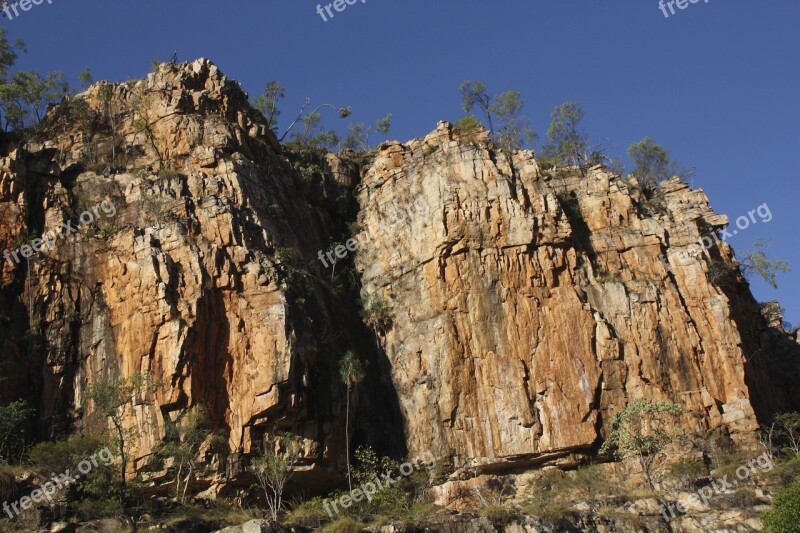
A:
x,y
25,359
208,359
772,369
323,319
581,234
375,405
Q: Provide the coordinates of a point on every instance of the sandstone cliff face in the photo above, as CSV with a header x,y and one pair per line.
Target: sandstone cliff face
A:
x,y
527,307
198,280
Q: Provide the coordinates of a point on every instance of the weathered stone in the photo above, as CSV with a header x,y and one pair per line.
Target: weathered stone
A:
x,y
527,311
527,307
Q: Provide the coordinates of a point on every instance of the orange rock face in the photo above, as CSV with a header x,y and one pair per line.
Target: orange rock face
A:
x,y
530,307
527,307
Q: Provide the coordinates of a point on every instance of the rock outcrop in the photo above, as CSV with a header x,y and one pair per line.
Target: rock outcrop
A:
x,y
527,307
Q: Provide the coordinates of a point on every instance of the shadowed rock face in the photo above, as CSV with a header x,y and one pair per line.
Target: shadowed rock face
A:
x,y
527,307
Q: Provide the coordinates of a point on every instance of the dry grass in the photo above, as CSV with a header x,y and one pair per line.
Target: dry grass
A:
x,y
343,525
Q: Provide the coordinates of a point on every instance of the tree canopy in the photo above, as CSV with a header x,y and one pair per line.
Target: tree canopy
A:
x,y
25,95
568,142
652,163
514,131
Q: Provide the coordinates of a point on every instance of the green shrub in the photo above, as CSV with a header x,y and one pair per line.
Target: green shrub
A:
x,y
726,463
498,515
220,515
641,431
551,480
98,167
404,500
311,173
376,314
353,228
15,419
542,507
392,501
587,480
430,149
97,508
593,481
719,271
101,494
555,492
689,470
142,172
288,255
784,517
468,128
549,495
309,513
626,520
787,473
743,498
47,457
104,232
605,277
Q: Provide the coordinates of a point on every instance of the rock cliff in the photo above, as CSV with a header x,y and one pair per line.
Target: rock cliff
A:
x,y
529,307
525,306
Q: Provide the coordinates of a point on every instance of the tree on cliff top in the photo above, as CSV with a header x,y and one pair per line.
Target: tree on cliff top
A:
x,y
383,125
313,118
756,261
569,144
473,94
8,54
267,103
357,138
25,95
652,163
514,132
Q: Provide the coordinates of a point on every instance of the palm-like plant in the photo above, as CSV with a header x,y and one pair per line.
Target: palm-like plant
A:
x,y
376,314
351,372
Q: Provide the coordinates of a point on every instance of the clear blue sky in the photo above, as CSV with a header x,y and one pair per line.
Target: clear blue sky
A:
x,y
717,83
